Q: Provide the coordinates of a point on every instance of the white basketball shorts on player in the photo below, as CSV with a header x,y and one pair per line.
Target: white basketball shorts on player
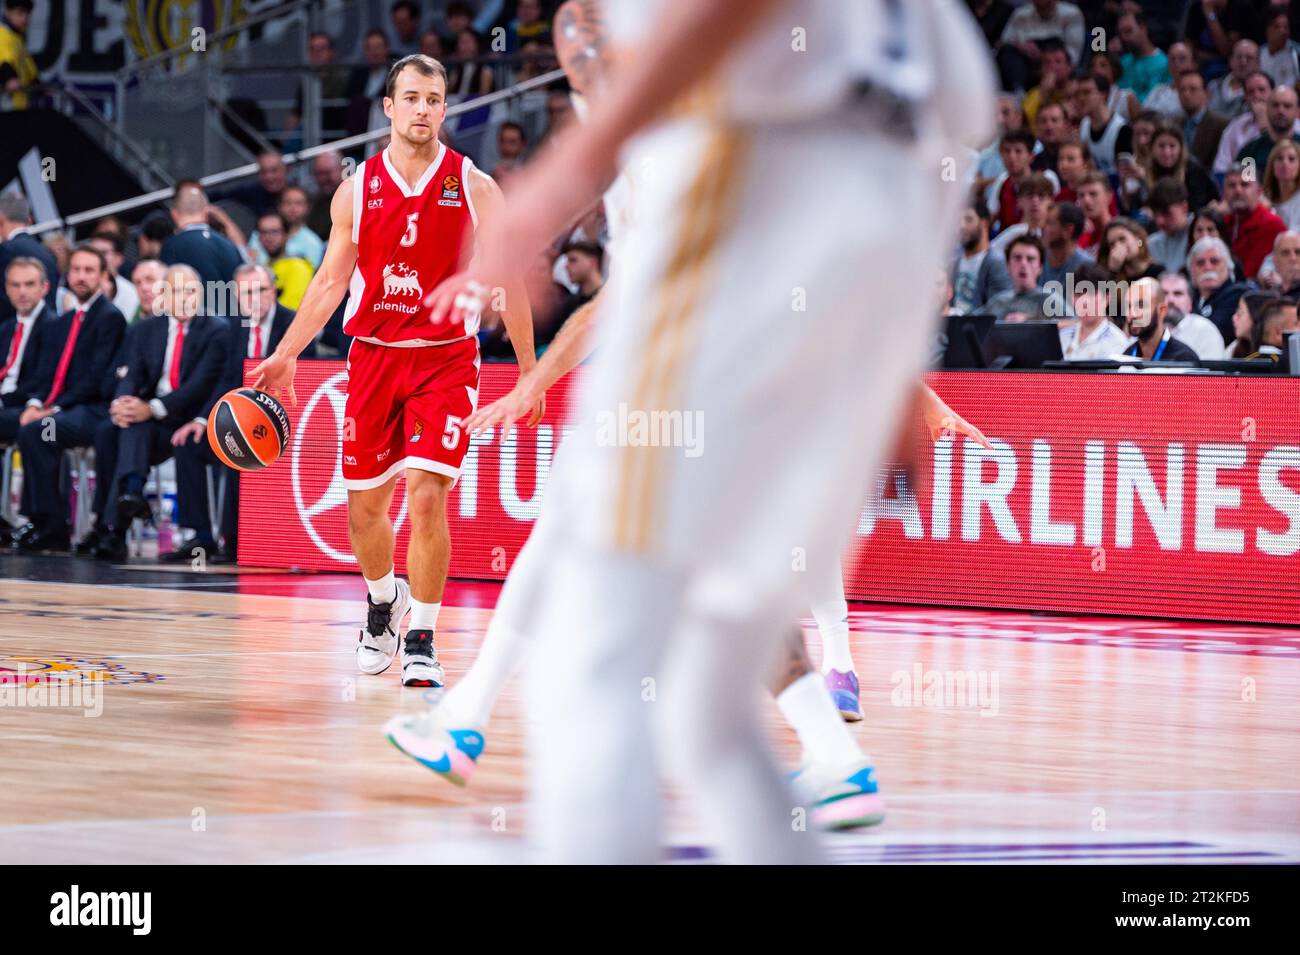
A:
x,y
769,310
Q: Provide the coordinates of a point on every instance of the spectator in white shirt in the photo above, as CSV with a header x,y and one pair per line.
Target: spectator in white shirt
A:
x,y
1018,52
1199,334
1249,124
1228,92
109,245
1280,57
1163,97
1097,297
1282,182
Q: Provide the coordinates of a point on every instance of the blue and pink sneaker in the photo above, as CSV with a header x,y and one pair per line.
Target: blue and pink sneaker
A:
x,y
840,797
843,688
451,753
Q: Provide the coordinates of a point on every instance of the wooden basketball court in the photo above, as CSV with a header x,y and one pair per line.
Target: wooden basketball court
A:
x,y
233,727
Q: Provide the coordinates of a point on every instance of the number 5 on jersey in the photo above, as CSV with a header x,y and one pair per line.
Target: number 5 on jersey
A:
x,y
408,239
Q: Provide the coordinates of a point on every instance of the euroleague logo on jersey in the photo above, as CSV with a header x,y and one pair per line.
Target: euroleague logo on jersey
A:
x,y
450,191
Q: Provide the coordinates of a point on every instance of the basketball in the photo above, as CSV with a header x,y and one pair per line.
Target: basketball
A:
x,y
248,429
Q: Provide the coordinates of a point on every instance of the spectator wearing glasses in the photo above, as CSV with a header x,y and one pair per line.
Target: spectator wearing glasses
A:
x,y
1210,265
292,273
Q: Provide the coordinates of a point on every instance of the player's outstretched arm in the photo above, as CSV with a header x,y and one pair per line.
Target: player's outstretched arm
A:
x,y
941,420
275,374
570,346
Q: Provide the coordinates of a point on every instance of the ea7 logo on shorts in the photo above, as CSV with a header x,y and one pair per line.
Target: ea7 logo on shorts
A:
x,y
133,909
450,191
383,454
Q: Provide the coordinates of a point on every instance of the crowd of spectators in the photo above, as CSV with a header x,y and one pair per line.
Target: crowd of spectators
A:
x,y
1139,141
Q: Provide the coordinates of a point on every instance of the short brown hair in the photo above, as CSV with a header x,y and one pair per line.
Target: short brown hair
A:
x,y
1031,240
424,65
1035,184
85,248
1096,177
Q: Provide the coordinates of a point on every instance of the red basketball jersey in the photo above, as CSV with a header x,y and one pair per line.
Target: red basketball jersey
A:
x,y
409,238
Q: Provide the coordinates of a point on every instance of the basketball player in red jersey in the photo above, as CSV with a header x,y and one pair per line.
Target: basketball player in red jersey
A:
x,y
402,224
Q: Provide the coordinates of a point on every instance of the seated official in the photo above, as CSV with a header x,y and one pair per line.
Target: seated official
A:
x,y
1147,310
168,366
26,285
76,355
262,324
1277,319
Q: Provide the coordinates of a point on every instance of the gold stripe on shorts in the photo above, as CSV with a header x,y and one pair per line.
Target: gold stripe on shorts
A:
x,y
706,213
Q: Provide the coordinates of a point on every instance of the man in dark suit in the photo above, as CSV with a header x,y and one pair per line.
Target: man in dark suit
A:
x,y
167,368
76,356
15,217
262,324
1202,126
20,345
209,253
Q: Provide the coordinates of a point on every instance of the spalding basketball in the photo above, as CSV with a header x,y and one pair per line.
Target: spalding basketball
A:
x,y
248,429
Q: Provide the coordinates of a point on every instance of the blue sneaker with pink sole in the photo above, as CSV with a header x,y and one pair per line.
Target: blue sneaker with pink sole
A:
x,y
840,797
843,688
450,752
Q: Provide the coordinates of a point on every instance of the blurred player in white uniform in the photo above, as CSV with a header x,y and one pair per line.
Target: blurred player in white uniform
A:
x,y
836,781
783,303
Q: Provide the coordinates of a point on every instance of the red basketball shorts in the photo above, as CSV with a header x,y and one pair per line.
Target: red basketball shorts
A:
x,y
405,409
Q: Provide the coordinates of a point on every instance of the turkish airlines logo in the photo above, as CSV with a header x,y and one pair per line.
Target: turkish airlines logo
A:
x,y
319,493
402,282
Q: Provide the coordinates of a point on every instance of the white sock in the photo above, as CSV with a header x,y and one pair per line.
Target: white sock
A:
x,y
424,616
468,704
822,732
383,590
833,624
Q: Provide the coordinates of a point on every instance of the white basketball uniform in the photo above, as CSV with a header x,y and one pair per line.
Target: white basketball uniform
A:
x,y
773,293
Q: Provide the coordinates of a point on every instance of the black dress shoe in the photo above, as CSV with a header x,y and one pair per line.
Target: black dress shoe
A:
x,y
224,555
192,551
112,548
88,544
46,539
131,506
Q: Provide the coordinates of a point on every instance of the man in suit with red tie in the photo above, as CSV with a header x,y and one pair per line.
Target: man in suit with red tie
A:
x,y
262,323
167,368
76,354
26,286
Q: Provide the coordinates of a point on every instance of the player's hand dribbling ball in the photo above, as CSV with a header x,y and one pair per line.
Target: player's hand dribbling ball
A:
x,y
248,429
